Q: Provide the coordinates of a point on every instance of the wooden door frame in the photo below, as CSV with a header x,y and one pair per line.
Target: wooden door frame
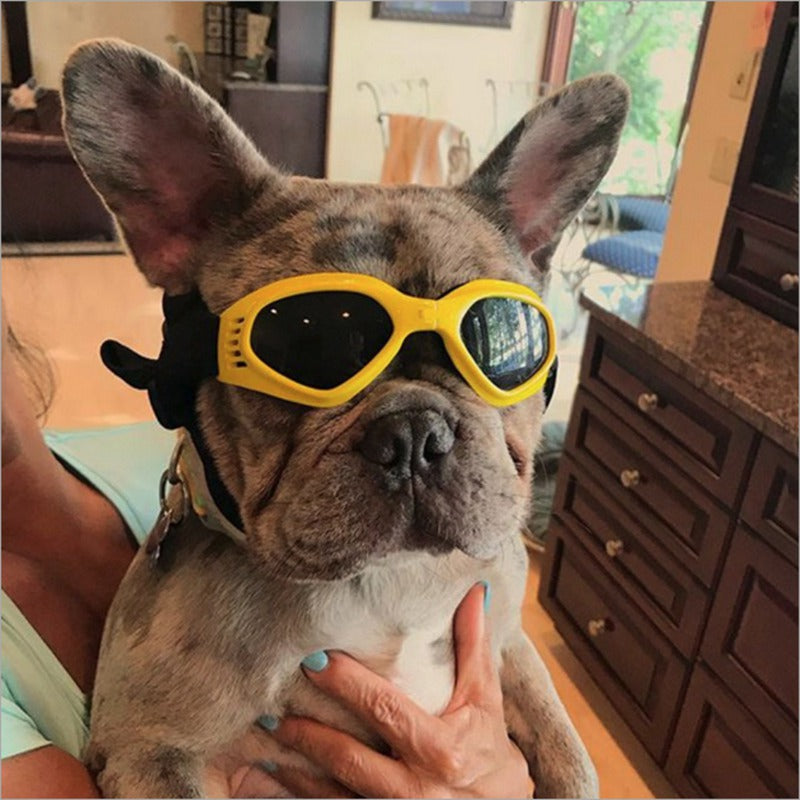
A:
x,y
560,30
19,50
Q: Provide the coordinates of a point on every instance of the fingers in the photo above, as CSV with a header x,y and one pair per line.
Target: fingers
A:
x,y
349,761
257,782
410,731
300,783
477,682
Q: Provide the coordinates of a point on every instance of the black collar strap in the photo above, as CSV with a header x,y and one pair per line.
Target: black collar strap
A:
x,y
188,356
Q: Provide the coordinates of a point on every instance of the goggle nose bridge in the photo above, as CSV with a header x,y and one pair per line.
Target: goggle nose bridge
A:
x,y
416,315
426,314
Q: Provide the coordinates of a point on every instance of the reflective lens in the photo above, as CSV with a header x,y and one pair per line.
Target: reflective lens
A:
x,y
320,339
507,338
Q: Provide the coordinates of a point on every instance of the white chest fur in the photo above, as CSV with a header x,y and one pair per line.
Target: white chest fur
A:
x,y
399,623
420,663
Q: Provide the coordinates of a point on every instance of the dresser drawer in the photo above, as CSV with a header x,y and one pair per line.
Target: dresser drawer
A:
x,y
687,521
635,666
757,262
751,639
770,502
706,440
670,596
719,750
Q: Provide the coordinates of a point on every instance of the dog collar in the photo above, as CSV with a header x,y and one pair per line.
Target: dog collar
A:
x,y
183,489
191,469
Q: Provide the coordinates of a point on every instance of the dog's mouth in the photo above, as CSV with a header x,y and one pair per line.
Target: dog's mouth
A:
x,y
348,527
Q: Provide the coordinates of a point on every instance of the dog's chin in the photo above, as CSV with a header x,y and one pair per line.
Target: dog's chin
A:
x,y
303,563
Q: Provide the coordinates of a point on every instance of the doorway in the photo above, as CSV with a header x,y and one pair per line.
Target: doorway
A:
x,y
655,48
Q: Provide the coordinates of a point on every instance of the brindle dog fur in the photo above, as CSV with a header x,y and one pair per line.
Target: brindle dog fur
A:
x,y
340,553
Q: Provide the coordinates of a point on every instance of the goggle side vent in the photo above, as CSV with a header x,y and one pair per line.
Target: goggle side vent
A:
x,y
233,350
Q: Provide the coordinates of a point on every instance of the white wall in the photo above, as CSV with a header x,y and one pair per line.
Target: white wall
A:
x,y
456,60
56,27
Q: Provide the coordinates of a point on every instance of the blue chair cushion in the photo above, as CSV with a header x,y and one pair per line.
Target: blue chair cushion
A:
x,y
639,213
634,252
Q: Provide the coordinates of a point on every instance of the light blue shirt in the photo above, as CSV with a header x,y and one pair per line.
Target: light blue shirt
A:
x,y
41,703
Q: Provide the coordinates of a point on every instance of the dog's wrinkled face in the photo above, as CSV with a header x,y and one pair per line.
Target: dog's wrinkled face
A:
x,y
417,460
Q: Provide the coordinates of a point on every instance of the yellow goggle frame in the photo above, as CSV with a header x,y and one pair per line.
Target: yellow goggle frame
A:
x,y
240,366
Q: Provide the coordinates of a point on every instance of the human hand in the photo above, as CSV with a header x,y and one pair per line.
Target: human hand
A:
x,y
465,752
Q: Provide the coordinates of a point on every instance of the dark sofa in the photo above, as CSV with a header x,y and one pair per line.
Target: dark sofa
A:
x,y
45,197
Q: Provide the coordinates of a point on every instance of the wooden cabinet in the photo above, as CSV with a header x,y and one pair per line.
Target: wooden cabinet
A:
x,y
751,639
634,556
671,565
720,750
627,656
770,505
711,443
287,122
286,118
757,255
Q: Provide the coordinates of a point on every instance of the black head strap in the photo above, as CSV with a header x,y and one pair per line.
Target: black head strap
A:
x,y
550,383
188,356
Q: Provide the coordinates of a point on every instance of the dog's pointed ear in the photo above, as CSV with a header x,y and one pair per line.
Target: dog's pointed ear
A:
x,y
543,172
163,155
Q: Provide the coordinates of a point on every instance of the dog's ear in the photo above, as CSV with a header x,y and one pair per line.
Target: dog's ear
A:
x,y
541,174
164,156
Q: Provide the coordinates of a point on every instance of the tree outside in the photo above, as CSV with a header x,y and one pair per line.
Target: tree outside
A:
x,y
651,45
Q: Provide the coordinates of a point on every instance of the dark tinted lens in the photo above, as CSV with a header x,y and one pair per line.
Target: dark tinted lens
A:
x,y
507,338
320,339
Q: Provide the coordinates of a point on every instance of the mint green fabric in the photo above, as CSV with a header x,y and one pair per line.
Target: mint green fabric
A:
x,y
41,703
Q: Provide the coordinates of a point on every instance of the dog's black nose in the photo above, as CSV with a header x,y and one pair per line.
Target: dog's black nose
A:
x,y
407,442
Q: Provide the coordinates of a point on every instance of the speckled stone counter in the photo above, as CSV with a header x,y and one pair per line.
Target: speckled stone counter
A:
x,y
735,354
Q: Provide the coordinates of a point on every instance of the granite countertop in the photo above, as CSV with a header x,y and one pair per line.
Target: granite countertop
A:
x,y
742,358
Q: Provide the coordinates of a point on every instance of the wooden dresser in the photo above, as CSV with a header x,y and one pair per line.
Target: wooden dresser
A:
x,y
671,561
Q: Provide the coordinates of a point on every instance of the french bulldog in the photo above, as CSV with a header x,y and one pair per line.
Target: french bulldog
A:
x,y
339,549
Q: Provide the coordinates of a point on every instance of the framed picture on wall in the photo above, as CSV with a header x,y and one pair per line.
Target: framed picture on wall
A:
x,y
489,12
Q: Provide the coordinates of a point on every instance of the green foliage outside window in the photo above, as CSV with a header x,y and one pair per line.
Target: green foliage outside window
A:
x,y
651,45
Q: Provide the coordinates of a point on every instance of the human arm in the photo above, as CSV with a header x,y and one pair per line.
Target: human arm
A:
x,y
46,772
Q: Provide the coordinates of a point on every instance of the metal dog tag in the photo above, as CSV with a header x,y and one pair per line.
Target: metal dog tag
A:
x,y
160,530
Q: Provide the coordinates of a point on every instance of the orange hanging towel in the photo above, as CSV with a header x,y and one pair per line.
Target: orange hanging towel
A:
x,y
418,150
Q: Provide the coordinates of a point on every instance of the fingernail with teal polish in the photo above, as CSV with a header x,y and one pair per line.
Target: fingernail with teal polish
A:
x,y
487,595
268,722
316,662
268,766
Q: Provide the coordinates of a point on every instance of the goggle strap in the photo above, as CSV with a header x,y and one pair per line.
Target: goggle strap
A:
x,y
550,383
188,356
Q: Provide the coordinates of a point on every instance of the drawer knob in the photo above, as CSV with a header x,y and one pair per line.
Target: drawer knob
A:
x,y
788,281
629,478
598,626
647,402
615,548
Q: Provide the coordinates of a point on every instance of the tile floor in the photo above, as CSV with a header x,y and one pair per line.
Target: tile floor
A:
x,y
68,305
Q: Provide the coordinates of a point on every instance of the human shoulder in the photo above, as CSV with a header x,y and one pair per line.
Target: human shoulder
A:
x,y
47,771
123,462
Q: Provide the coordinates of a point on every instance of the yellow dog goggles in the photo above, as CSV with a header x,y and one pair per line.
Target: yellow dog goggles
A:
x,y
320,339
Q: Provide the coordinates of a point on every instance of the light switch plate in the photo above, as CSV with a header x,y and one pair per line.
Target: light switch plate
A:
x,y
724,161
743,76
